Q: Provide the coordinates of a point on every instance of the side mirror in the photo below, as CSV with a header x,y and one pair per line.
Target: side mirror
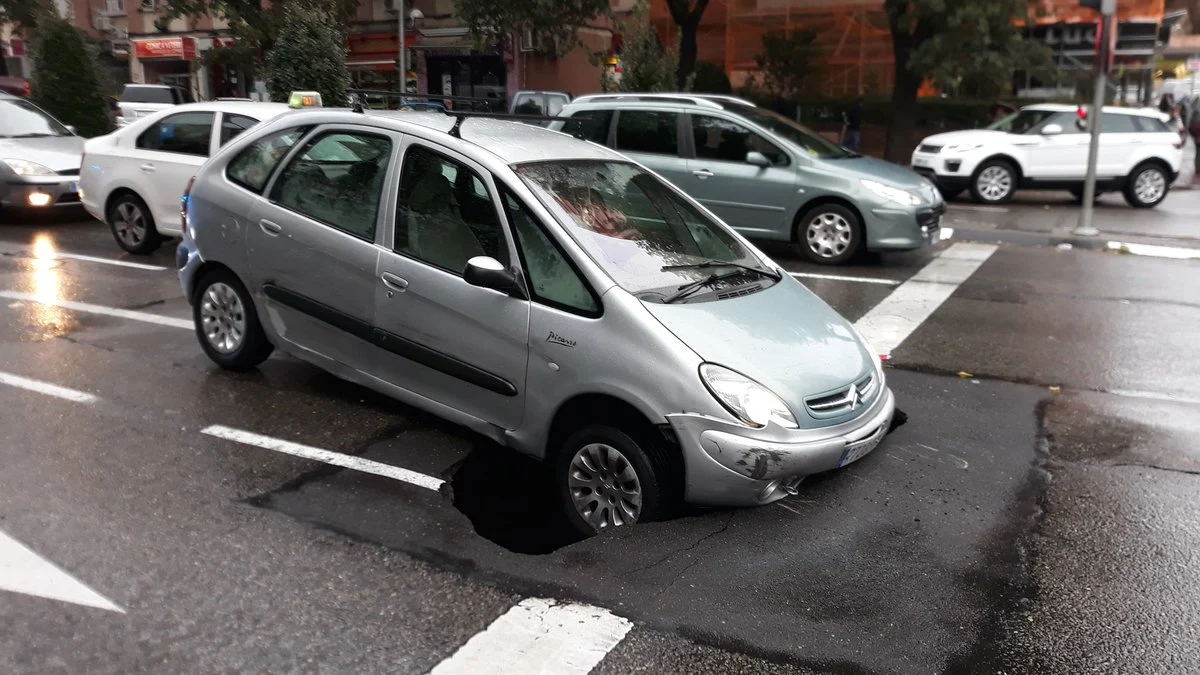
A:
x,y
487,272
757,158
1051,130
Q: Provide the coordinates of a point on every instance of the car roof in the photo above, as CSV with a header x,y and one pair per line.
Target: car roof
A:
x,y
1062,107
712,101
135,85
258,109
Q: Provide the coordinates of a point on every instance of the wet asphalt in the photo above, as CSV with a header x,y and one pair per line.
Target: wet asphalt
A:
x,y
1036,513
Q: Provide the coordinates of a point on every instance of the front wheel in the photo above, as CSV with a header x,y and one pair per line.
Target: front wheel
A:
x,y
227,324
994,182
1147,186
606,480
830,234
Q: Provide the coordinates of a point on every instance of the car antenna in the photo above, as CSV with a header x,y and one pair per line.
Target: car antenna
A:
x,y
357,105
454,130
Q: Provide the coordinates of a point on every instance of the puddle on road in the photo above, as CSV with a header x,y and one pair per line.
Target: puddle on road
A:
x,y
510,501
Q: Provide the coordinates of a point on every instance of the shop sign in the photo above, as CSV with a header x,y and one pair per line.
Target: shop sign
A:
x,y
179,48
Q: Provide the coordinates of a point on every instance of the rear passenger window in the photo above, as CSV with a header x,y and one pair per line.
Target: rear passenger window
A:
x,y
186,133
232,125
445,215
590,125
253,166
337,179
648,131
1149,125
1115,123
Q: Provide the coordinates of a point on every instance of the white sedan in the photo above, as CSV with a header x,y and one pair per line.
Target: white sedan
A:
x,y
133,178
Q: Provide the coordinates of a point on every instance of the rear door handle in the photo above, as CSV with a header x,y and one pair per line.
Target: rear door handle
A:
x,y
393,282
702,173
269,227
148,168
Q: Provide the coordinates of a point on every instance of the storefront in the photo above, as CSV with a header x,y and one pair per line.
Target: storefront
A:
x,y
372,61
170,61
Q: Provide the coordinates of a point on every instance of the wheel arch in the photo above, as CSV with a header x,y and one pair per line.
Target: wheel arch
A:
x,y
206,268
1004,157
120,191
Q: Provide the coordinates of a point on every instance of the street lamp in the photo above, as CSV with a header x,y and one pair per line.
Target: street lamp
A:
x,y
415,15
1104,45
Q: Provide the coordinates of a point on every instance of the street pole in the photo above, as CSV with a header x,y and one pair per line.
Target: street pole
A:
x,y
403,56
1085,228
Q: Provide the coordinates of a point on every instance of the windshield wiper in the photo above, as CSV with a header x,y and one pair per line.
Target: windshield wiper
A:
x,y
721,263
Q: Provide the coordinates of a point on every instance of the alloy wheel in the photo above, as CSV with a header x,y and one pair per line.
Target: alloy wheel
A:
x,y
605,489
1150,186
223,318
130,224
994,183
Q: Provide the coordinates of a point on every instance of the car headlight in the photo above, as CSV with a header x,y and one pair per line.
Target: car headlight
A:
x,y
965,147
748,400
902,197
24,167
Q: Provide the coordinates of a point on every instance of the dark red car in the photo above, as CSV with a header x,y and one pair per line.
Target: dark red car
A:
x,y
14,85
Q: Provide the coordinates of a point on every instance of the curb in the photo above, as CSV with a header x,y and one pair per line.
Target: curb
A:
x,y
1057,238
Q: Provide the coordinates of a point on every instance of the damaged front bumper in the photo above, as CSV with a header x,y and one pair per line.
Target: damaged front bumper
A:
x,y
731,465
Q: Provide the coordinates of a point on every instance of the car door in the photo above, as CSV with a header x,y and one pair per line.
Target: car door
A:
x,y
652,138
460,345
311,243
168,154
1119,140
1057,156
752,198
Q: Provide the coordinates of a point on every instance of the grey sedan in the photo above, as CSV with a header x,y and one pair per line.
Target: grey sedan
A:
x,y
39,157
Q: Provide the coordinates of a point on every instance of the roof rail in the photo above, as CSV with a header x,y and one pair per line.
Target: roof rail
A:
x,y
460,115
651,98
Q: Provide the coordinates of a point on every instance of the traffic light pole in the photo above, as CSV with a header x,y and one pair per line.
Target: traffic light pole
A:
x,y
1085,227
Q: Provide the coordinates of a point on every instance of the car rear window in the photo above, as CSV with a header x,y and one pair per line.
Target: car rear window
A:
x,y
138,94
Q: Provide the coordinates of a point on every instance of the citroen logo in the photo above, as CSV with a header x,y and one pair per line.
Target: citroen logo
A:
x,y
854,396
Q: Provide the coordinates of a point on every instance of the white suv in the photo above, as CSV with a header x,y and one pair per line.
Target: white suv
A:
x,y
1046,147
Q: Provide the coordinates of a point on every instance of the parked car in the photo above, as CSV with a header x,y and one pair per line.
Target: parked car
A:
x,y
141,100
1045,147
39,157
764,174
538,103
134,176
545,292
14,86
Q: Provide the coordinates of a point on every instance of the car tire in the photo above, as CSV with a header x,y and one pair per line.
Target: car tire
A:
x,y
1147,185
227,323
994,182
830,234
618,478
132,225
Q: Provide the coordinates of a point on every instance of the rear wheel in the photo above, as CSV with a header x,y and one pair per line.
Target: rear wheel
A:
x,y
607,478
830,234
132,225
227,323
1147,186
994,182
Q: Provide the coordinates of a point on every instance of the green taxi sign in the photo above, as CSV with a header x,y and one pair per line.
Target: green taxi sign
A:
x,y
304,99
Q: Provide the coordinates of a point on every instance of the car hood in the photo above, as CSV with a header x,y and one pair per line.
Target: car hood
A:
x,y
966,136
60,153
785,338
884,172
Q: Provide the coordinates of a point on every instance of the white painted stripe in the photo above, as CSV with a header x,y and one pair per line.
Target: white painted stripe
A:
x,y
539,636
326,456
889,323
972,207
946,233
1154,396
108,261
1173,252
46,388
100,309
839,277
23,571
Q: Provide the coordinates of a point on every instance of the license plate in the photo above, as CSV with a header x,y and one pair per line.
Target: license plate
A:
x,y
73,187
917,161
857,451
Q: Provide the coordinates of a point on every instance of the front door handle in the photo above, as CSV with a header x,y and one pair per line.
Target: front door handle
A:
x,y
702,173
393,282
270,227
148,168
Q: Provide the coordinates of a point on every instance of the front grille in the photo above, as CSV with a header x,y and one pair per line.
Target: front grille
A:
x,y
67,198
931,217
850,398
930,149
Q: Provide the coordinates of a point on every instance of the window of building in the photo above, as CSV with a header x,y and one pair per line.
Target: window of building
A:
x,y
649,131
337,179
186,133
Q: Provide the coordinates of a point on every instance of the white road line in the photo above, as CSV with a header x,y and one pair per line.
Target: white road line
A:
x,y
326,456
1173,252
108,261
100,309
890,322
839,277
539,636
1153,396
23,571
46,388
985,209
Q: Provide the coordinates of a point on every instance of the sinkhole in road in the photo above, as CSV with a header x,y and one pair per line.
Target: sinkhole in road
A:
x,y
510,501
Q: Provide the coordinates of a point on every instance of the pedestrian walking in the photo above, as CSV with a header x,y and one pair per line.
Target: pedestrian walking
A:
x,y
852,135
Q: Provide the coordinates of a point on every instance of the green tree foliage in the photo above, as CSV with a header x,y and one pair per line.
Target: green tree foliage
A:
x,y
65,79
956,44
24,13
550,21
309,54
255,24
686,14
788,62
646,64
711,79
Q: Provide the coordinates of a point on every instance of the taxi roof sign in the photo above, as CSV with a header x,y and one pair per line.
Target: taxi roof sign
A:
x,y
304,99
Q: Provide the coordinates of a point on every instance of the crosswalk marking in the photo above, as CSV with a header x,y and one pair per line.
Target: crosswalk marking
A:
x,y
46,388
23,571
889,323
540,636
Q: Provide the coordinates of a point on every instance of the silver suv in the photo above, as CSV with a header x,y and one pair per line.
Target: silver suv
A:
x,y
542,291
767,176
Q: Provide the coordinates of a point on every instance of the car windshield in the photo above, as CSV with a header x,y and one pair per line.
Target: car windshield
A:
x,y
1020,122
22,119
809,141
637,227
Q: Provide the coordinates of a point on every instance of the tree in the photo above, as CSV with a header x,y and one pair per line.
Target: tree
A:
x,y
686,14
309,54
556,21
788,62
65,80
951,42
711,79
646,64
24,13
254,24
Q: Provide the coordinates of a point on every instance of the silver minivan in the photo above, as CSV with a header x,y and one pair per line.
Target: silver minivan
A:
x,y
543,291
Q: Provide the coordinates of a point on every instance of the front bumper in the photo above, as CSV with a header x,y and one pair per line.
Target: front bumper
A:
x,y
950,172
903,229
731,465
40,192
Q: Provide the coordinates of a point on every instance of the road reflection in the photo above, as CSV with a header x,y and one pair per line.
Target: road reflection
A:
x,y
47,283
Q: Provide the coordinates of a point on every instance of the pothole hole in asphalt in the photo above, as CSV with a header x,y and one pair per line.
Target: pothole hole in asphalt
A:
x,y
510,501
